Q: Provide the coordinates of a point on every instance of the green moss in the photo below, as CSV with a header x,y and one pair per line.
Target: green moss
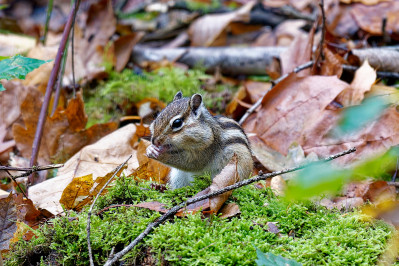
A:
x,y
309,234
113,97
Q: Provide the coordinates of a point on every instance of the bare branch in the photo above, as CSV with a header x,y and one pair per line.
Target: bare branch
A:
x,y
92,205
49,90
176,208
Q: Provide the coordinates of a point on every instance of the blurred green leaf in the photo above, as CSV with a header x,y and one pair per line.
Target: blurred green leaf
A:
x,y
356,117
18,67
320,178
377,166
269,259
316,179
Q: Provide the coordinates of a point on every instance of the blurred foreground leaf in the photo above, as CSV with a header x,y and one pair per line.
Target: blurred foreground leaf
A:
x,y
18,67
319,178
269,259
358,116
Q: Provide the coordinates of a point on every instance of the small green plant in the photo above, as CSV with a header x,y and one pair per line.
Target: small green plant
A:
x,y
17,67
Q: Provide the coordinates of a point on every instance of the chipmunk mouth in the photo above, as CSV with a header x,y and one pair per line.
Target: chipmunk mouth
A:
x,y
154,152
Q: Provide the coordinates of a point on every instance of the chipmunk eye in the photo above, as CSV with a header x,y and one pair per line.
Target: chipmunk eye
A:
x,y
177,123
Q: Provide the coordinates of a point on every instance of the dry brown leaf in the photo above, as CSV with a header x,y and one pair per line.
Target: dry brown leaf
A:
x,y
124,47
372,139
293,105
364,78
230,210
64,133
10,102
154,169
369,17
97,159
299,52
288,31
206,30
8,217
5,145
153,205
340,22
332,65
82,190
12,44
91,43
28,213
364,2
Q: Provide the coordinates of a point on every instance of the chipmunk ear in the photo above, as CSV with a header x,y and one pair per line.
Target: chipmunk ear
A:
x,y
178,96
195,102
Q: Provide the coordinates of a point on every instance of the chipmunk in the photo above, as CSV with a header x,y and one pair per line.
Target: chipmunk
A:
x,y
186,137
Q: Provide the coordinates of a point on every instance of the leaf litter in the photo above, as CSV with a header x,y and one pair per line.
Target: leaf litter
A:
x,y
302,118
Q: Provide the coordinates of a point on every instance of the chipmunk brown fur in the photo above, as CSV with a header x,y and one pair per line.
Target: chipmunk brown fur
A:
x,y
186,137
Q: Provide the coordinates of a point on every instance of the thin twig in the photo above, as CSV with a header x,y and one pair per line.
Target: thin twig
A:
x,y
258,103
15,181
323,29
176,208
46,24
31,169
49,90
73,50
91,208
381,74
59,83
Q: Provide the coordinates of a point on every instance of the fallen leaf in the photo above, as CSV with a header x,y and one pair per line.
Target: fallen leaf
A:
x,y
92,43
368,17
299,52
12,44
97,159
8,217
28,213
364,2
206,30
5,145
64,132
293,105
124,47
229,210
364,78
272,227
153,205
82,190
379,191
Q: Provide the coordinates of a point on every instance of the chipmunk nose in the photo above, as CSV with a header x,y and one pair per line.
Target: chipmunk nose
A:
x,y
156,141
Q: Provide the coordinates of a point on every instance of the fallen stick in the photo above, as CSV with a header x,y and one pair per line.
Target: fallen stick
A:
x,y
176,208
230,60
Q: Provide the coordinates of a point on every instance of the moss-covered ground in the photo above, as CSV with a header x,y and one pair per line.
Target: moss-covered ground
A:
x,y
117,95
310,234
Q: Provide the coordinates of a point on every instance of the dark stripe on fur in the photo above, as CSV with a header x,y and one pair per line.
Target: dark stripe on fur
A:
x,y
237,140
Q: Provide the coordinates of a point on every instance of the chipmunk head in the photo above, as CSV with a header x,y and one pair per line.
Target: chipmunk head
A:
x,y
180,131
